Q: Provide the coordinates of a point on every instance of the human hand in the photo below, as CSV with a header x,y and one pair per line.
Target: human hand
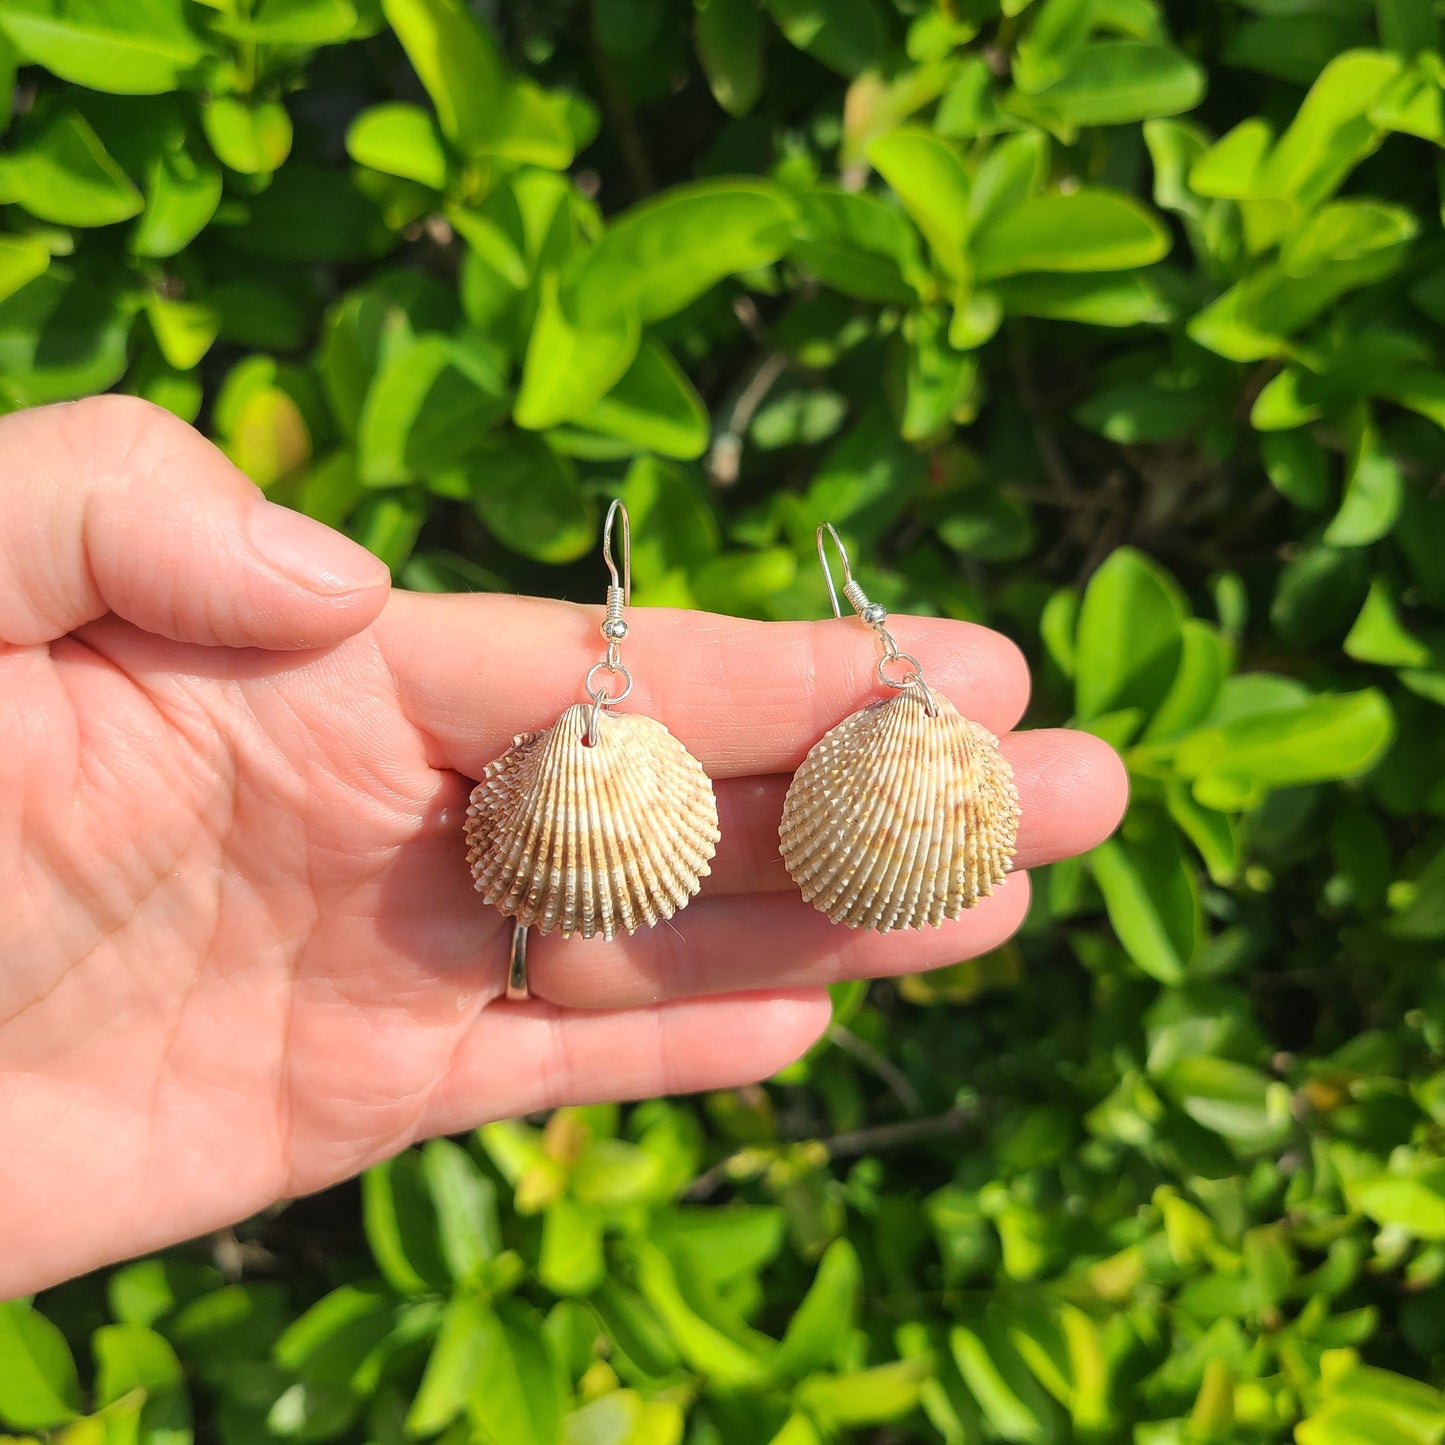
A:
x,y
240,953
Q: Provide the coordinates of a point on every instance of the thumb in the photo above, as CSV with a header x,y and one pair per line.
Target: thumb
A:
x,y
113,505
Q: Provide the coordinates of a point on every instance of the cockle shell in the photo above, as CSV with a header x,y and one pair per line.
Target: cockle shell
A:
x,y
592,839
897,819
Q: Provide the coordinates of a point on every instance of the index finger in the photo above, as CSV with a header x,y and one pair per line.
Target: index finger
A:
x,y
746,698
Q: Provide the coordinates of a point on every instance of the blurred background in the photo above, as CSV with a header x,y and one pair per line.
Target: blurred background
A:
x,y
1112,325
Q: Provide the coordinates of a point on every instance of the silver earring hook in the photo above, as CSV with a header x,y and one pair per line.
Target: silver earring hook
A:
x,y
614,625
618,508
876,616
827,570
872,613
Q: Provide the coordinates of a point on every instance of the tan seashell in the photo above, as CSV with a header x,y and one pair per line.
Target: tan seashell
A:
x,y
592,839
897,819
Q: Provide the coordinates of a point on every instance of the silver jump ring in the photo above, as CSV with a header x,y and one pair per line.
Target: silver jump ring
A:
x,y
912,678
596,693
914,674
517,989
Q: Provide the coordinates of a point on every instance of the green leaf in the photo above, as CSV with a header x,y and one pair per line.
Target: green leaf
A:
x,y
867,1397
132,1358
817,1334
456,60
260,423
1240,1103
798,1429
184,330
1407,26
389,525
1174,147
1081,231
1150,895
658,256
425,409
1374,492
1345,231
465,1201
1214,834
532,127
1130,636
849,36
127,47
401,1225
520,1389
38,1385
623,1417
451,1366
335,1342
250,136
1331,131
1380,637
1415,1203
1012,1401
528,497
1297,466
635,1328
1015,169
702,1344
61,337
1143,411
22,259
1204,662
1114,83
571,1260
1365,1406
929,178
144,1292
291,22
720,1243
730,47
613,1173
1319,739
1056,33
1233,167
1110,298
401,140
59,171
182,191
936,380
569,368
236,1323
653,406
857,244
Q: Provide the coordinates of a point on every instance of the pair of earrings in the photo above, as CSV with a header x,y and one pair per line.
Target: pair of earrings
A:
x,y
902,815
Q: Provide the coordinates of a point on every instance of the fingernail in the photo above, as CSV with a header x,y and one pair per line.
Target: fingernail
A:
x,y
310,553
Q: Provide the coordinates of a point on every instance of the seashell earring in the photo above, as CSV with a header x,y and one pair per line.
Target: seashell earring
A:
x,y
905,813
601,823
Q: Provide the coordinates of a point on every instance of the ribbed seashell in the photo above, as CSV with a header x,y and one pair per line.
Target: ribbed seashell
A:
x,y
596,839
897,819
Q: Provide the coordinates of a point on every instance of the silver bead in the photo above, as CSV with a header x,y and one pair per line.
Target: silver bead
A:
x,y
614,629
874,613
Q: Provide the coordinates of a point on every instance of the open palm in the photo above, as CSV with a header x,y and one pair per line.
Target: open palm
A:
x,y
240,954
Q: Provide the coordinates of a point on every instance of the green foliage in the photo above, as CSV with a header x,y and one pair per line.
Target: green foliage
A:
x,y
1111,326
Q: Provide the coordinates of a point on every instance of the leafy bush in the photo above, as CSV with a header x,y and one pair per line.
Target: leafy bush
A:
x,y
1020,296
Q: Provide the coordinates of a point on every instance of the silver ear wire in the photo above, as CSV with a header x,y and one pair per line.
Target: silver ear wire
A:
x,y
872,613
875,614
614,624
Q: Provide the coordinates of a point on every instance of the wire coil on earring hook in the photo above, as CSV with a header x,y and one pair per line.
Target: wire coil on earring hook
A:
x,y
614,625
875,615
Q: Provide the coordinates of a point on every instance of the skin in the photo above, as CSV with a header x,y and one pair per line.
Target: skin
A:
x,y
240,954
